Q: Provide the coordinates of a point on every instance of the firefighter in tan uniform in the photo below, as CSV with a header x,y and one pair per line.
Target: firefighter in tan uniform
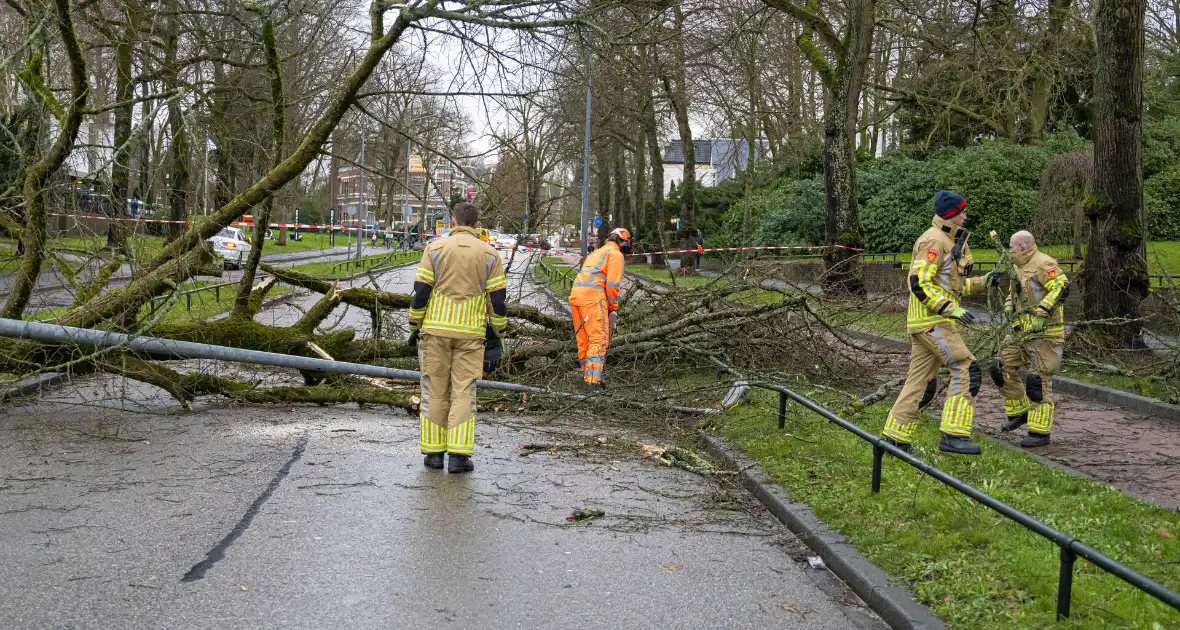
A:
x,y
459,302
1034,304
938,278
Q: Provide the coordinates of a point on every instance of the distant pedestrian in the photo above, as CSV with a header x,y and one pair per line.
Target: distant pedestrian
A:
x,y
459,303
697,242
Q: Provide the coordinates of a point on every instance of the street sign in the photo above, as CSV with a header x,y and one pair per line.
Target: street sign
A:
x,y
438,227
351,210
597,221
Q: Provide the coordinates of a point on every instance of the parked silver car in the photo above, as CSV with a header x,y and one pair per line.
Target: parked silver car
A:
x,y
231,244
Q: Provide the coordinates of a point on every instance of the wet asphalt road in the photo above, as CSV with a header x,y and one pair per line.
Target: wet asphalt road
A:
x,y
53,289
118,509
325,518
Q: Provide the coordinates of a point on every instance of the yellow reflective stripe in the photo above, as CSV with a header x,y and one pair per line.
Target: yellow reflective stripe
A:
x,y
903,433
424,274
935,293
498,282
1054,285
499,321
433,437
455,328
461,439
443,313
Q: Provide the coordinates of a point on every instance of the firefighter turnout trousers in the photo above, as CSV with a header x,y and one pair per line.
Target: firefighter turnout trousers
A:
x,y
450,367
930,349
1031,393
593,334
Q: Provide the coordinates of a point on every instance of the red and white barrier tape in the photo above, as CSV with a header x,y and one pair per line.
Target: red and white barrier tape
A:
x,y
300,226
341,228
706,250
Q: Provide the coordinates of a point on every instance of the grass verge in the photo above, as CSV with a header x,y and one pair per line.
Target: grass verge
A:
x,y
974,568
337,268
559,287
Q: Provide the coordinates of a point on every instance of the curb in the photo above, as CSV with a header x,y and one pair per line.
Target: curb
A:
x,y
1073,387
1126,400
891,602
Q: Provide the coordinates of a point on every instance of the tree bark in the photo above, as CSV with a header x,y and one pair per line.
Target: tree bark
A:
x,y
1045,70
677,92
657,167
35,177
124,97
179,150
639,161
278,100
1115,275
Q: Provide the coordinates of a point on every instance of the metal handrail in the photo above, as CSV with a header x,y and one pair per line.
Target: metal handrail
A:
x,y
550,271
1070,547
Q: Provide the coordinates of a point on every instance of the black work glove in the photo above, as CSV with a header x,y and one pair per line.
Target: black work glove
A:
x,y
412,341
993,277
492,351
962,316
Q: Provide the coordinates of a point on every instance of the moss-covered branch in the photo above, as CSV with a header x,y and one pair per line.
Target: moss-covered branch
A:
x,y
309,148
34,234
278,100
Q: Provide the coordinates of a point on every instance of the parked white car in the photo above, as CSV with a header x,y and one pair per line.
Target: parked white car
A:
x,y
231,244
505,241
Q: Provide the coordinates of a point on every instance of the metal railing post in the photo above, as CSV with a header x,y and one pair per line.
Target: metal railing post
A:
x,y
878,456
188,299
1065,583
782,410
217,292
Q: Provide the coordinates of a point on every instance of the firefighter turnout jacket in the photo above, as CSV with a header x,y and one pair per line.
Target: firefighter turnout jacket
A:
x,y
939,276
1038,290
459,287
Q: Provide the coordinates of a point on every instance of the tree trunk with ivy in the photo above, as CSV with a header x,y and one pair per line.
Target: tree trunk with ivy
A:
x,y
35,177
842,71
1115,276
117,232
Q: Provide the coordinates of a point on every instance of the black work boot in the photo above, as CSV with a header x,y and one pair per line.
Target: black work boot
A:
x,y
1033,440
457,463
1015,422
959,445
905,446
433,460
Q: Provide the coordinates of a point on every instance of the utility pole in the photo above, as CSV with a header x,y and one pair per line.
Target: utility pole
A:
x,y
586,161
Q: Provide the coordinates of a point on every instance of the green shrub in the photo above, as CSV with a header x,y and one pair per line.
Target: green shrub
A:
x,y
1162,199
1161,145
896,202
1000,184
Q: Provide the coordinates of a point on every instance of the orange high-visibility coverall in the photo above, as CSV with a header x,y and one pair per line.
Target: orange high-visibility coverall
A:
x,y
596,293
